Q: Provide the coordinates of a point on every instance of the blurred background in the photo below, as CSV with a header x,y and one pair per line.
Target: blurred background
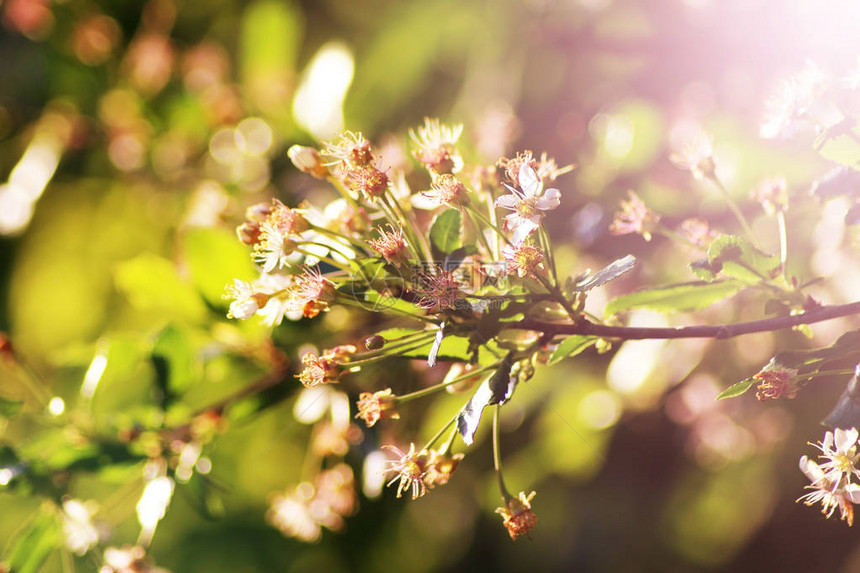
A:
x,y
133,135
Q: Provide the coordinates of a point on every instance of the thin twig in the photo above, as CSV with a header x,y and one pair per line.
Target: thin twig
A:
x,y
588,328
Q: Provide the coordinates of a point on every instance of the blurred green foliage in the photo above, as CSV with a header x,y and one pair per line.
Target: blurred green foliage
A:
x,y
113,291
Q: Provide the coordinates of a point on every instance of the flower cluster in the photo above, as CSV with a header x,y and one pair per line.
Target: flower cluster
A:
x,y
307,508
831,480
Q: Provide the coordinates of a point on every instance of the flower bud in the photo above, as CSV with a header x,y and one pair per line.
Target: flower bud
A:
x,y
308,160
374,342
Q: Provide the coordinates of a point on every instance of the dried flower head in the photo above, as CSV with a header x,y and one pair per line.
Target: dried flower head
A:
x,y
367,181
522,260
311,293
437,290
436,146
519,519
447,190
513,166
290,222
391,245
440,466
409,471
376,406
308,160
318,370
634,217
775,383
350,151
696,156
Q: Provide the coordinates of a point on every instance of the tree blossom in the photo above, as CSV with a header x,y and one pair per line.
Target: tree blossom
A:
x,y
376,406
634,218
437,290
436,146
831,494
522,260
775,383
792,102
440,466
839,448
519,519
311,293
391,245
351,150
409,471
696,155
528,204
447,190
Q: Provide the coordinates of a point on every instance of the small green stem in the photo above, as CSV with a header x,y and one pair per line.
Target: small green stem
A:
x,y
359,211
733,207
783,243
558,296
492,225
497,456
437,387
670,234
545,245
345,299
438,435
328,260
478,231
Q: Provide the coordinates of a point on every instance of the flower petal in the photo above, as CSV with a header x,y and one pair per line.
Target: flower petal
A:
x,y
523,230
550,200
508,201
529,181
845,439
811,470
852,492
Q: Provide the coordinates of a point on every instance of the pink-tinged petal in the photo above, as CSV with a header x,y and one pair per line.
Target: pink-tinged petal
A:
x,y
522,231
550,200
811,470
528,180
508,201
852,492
827,443
845,439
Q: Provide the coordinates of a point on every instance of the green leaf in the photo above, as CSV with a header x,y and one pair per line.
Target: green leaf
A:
x,y
31,549
736,389
680,297
841,143
735,257
152,285
9,408
215,258
571,346
445,231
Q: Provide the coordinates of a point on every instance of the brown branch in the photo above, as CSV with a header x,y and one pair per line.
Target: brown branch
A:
x,y
588,328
